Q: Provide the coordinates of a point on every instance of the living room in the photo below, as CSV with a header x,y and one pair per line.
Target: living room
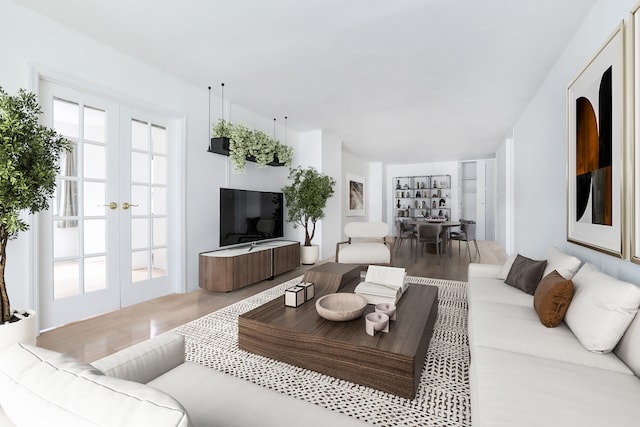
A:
x,y
530,157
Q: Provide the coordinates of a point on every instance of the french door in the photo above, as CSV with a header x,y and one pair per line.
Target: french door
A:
x,y
104,243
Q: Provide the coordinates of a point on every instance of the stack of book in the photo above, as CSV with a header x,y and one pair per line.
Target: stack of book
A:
x,y
382,284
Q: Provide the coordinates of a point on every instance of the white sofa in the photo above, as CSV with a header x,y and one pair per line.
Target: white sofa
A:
x,y
525,374
148,384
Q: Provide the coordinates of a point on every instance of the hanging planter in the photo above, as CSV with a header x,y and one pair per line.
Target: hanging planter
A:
x,y
242,144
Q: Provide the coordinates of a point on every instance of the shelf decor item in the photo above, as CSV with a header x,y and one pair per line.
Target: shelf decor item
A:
x,y
30,158
595,104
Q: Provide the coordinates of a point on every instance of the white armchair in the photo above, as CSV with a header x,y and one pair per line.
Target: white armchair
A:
x,y
367,244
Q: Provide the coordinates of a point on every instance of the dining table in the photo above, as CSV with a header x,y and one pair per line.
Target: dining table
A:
x,y
446,224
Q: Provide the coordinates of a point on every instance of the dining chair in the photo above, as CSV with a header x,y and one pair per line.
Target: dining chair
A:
x,y
466,234
405,231
429,234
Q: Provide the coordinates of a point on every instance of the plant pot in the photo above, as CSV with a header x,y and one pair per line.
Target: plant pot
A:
x,y
309,254
24,330
220,145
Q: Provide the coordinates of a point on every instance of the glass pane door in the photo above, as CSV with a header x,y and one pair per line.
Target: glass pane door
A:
x,y
79,252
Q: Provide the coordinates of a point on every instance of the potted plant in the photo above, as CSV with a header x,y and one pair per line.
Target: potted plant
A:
x,y
306,198
29,162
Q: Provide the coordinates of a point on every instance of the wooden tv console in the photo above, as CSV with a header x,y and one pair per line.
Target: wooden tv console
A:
x,y
226,270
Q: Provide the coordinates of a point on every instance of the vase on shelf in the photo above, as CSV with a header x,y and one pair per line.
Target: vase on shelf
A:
x,y
398,185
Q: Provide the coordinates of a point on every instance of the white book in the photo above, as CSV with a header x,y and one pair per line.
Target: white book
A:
x,y
388,276
377,299
376,289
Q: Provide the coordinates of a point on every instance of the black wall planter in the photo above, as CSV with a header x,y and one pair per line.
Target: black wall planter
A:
x,y
220,145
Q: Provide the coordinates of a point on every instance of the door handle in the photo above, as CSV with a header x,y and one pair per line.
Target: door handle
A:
x,y
126,206
112,205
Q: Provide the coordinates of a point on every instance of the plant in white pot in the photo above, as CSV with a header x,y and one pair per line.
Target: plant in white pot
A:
x,y
29,162
306,198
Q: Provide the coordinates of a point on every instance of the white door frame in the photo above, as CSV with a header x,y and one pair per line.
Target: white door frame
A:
x,y
177,156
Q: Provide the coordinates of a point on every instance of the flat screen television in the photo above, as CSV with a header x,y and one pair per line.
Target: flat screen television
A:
x,y
248,216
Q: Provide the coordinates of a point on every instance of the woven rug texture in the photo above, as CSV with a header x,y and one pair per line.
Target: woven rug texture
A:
x,y
442,398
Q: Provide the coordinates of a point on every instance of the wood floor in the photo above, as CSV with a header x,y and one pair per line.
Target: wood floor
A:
x,y
100,336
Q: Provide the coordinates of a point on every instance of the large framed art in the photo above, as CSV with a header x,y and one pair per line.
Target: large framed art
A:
x,y
635,151
355,195
595,128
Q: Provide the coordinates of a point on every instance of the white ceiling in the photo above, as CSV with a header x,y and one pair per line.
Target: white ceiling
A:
x,y
398,81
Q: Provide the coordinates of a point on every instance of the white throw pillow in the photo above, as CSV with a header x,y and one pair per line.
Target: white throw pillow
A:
x,y
504,272
601,309
566,265
39,387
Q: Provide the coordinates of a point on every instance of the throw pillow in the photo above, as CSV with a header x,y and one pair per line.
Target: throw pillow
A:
x,y
564,264
39,385
525,274
602,308
551,299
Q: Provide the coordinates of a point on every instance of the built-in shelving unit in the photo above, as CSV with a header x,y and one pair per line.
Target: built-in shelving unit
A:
x,y
422,196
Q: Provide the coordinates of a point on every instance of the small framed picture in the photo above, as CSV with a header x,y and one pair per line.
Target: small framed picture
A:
x,y
355,195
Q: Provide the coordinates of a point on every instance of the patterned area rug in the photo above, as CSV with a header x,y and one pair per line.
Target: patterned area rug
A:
x,y
442,398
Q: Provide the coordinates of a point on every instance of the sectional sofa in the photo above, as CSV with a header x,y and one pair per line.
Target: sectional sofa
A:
x,y
148,384
582,372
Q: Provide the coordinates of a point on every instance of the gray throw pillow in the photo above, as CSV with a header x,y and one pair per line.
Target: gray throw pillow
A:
x,y
525,274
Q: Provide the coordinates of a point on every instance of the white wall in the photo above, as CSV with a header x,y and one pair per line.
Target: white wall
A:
x,y
504,196
540,149
28,39
332,222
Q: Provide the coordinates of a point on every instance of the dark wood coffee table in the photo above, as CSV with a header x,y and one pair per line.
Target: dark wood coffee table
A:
x,y
390,362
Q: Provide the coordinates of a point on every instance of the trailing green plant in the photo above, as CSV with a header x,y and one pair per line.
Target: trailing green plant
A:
x,y
239,146
29,162
306,198
253,144
222,128
284,153
262,148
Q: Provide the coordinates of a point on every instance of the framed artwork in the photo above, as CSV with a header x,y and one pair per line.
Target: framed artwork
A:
x,y
355,195
595,105
635,182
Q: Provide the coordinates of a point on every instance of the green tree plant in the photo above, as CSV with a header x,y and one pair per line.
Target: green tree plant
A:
x,y
29,162
306,198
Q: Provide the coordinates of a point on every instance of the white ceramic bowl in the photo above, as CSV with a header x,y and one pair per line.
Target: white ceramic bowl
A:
x,y
341,307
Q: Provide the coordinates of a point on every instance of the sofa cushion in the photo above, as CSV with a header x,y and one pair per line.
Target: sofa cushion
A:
x,y
525,274
485,289
215,398
566,265
146,360
602,308
551,299
510,389
628,349
518,329
364,253
39,385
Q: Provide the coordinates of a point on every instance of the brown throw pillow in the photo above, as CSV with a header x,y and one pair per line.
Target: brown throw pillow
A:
x,y
552,298
525,274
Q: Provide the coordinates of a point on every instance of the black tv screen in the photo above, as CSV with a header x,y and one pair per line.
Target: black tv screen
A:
x,y
248,216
